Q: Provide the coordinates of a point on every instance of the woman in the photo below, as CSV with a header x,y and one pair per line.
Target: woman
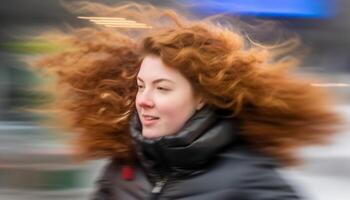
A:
x,y
192,111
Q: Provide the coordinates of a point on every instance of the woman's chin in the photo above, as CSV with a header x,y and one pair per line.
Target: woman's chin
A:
x,y
153,134
149,134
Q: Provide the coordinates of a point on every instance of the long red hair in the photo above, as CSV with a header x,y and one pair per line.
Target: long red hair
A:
x,y
279,111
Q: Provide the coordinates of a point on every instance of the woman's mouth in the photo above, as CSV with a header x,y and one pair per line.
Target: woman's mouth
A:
x,y
149,120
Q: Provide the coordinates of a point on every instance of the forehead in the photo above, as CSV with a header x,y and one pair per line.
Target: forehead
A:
x,y
152,67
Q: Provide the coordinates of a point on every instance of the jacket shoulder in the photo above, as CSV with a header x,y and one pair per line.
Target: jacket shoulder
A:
x,y
255,174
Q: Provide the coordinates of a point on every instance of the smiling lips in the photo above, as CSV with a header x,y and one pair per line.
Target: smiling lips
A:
x,y
148,120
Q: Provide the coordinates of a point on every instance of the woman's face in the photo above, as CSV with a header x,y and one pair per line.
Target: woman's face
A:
x,y
165,99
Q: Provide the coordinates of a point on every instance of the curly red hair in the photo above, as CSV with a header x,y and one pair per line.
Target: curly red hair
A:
x,y
279,111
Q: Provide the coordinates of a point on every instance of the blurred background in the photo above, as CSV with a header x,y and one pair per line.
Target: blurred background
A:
x,y
36,161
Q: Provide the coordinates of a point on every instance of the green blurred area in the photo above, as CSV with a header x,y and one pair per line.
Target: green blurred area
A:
x,y
32,47
19,84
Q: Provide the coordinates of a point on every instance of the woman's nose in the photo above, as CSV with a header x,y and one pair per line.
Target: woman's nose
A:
x,y
145,100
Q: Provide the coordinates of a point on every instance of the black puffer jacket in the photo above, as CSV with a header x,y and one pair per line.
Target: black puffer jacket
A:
x,y
204,161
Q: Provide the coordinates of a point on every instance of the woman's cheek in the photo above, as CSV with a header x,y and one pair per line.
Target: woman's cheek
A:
x,y
167,103
174,108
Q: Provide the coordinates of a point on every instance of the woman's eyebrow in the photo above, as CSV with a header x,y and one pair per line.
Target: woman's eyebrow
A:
x,y
158,80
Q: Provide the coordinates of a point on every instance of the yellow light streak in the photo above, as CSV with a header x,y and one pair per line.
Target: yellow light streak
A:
x,y
330,84
101,18
120,23
107,21
127,26
115,22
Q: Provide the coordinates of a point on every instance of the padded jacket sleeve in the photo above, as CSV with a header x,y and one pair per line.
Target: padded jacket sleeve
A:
x,y
265,183
102,192
103,186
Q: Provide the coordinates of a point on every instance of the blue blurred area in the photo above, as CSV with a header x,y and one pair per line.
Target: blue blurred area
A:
x,y
36,161
267,8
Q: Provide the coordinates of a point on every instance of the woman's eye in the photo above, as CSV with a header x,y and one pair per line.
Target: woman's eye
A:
x,y
140,86
163,88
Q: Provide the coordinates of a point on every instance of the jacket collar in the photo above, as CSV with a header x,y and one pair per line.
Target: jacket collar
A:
x,y
204,134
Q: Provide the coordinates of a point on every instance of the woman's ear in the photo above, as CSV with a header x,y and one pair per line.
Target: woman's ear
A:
x,y
200,103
